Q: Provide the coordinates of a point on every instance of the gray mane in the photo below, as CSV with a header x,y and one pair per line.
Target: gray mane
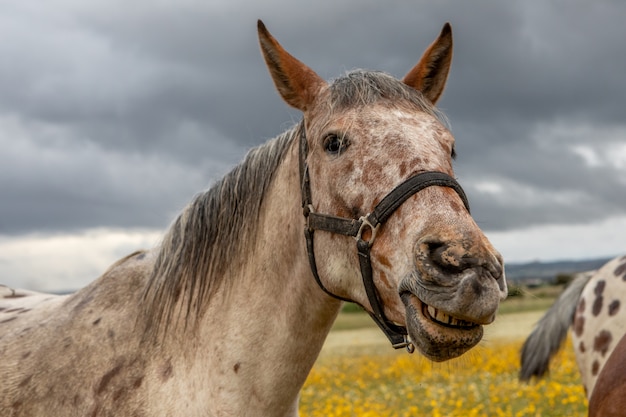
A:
x,y
210,233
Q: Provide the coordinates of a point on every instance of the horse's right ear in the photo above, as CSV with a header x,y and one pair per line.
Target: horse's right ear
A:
x,y
297,84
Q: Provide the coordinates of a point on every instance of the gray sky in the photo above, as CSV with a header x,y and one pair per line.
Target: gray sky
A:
x,y
113,114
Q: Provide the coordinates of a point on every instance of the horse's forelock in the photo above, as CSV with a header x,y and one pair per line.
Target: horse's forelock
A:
x,y
360,88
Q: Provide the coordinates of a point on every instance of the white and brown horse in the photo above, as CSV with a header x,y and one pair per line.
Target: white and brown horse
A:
x,y
592,306
227,316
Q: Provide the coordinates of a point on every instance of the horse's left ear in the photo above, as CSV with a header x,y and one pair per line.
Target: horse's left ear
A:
x,y
297,84
431,72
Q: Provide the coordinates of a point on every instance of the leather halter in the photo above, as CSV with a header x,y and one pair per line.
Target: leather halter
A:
x,y
397,335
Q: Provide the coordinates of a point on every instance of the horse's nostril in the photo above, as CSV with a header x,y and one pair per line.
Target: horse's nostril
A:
x,y
436,247
443,256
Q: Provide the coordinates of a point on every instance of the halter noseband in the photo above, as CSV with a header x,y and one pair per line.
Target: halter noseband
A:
x,y
397,335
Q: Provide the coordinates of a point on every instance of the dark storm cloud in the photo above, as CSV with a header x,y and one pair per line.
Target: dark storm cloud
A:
x,y
116,113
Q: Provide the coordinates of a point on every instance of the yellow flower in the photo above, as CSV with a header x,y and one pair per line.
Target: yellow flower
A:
x,y
482,382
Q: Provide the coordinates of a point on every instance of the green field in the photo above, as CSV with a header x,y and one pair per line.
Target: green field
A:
x,y
359,374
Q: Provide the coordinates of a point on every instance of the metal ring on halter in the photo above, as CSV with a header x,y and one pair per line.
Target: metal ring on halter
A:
x,y
365,223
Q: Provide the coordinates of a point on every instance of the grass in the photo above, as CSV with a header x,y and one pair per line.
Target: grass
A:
x,y
373,380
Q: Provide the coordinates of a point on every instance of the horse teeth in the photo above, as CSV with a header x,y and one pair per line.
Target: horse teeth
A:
x,y
438,315
442,317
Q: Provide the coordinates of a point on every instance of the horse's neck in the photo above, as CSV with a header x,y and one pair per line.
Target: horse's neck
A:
x,y
260,339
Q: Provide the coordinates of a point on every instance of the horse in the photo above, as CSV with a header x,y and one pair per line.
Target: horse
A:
x,y
227,315
591,306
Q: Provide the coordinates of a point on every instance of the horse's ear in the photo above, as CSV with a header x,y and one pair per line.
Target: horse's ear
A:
x,y
431,72
296,83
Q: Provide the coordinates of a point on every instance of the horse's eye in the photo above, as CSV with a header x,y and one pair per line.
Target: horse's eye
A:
x,y
334,144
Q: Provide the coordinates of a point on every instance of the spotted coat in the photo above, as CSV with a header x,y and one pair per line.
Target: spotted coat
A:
x,y
591,306
599,321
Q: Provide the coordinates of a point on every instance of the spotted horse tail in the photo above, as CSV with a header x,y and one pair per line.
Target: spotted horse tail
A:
x,y
550,332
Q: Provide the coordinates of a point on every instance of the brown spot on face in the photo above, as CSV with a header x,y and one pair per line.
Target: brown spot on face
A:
x,y
106,379
410,168
373,174
581,306
455,205
96,321
595,368
26,354
602,342
349,166
614,307
579,325
357,208
581,347
236,367
384,261
403,168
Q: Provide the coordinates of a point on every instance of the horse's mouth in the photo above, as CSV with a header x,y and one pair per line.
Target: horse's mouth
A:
x,y
436,334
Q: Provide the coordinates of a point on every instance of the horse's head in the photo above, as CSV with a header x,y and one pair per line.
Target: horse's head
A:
x,y
434,271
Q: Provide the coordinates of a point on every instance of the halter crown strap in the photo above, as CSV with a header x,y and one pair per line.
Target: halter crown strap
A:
x,y
397,335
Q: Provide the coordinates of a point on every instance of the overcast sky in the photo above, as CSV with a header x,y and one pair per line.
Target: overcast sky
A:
x,y
113,114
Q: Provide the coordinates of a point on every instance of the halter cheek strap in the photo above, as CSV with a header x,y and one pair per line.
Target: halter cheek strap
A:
x,y
397,335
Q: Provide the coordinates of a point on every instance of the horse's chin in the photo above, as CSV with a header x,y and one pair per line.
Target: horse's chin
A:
x,y
437,335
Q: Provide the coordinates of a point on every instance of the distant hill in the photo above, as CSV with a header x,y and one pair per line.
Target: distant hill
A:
x,y
547,271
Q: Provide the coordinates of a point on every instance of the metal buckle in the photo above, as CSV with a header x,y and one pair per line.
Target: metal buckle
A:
x,y
306,210
406,343
364,224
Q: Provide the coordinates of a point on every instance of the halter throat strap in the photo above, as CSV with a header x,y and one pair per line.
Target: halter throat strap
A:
x,y
357,228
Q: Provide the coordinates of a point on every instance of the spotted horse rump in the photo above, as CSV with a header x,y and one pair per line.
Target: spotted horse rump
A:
x,y
592,305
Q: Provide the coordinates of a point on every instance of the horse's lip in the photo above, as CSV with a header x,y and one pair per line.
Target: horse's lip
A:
x,y
441,337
